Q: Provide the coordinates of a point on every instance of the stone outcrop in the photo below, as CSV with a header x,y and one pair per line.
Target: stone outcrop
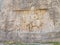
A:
x,y
27,20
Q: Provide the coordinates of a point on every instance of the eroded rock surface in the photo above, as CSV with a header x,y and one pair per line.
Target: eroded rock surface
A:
x,y
27,20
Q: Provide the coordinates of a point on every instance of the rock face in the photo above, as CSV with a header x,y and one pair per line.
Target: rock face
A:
x,y
27,20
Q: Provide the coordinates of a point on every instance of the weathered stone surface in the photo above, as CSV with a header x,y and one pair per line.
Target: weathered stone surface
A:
x,y
29,17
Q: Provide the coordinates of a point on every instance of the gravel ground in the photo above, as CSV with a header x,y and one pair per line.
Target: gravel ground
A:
x,y
25,44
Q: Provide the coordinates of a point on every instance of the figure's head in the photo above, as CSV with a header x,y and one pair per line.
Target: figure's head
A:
x,y
32,8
